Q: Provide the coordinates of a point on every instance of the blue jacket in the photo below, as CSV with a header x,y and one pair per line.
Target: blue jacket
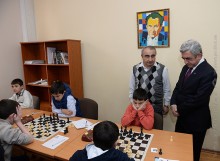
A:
x,y
63,103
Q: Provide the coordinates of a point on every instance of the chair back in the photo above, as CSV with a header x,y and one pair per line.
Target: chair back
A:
x,y
36,102
89,108
158,121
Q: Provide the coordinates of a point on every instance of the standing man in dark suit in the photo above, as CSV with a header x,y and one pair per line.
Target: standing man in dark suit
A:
x,y
190,99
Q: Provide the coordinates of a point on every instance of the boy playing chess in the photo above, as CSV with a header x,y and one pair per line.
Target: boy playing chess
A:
x,y
105,136
140,112
22,96
10,113
63,102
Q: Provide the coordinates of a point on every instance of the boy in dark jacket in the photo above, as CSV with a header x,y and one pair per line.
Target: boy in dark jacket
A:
x,y
105,136
63,102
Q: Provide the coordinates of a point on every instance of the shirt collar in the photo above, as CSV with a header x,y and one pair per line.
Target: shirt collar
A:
x,y
201,60
142,65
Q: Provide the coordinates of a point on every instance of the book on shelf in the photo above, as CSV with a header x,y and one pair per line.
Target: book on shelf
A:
x,y
40,82
34,62
61,57
64,56
50,55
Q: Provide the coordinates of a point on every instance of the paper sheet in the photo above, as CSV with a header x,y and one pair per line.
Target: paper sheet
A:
x,y
83,123
162,159
55,141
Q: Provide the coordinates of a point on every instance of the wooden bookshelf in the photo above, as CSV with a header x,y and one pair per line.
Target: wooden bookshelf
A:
x,y
70,73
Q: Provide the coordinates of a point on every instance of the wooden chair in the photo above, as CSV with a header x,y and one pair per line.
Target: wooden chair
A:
x,y
36,102
89,108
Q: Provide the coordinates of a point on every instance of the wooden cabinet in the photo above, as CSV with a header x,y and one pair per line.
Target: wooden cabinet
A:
x,y
70,73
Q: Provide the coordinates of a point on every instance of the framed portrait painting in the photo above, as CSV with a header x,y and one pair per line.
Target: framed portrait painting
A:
x,y
153,28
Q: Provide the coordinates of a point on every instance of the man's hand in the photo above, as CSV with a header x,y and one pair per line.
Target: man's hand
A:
x,y
165,109
67,112
174,110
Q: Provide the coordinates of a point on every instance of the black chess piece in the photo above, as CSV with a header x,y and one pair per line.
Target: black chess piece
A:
x,y
125,131
141,131
160,151
121,130
130,131
68,119
44,115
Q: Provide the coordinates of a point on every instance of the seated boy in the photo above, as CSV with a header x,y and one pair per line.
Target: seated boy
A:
x,y
22,96
140,112
63,102
10,113
105,136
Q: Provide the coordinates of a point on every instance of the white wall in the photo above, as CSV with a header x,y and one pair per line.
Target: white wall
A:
x,y
108,31
11,36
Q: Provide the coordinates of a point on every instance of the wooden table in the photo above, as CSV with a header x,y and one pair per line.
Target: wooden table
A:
x,y
179,147
37,146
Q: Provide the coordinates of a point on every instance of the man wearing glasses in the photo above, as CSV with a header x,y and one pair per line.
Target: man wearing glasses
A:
x,y
153,77
190,99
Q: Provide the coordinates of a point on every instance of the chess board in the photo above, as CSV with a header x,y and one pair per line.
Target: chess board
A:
x,y
45,126
138,145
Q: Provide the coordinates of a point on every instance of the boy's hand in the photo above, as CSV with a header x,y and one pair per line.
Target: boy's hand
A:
x,y
17,117
143,106
134,107
67,112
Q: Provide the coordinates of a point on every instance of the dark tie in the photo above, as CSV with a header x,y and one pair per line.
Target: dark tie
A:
x,y
188,73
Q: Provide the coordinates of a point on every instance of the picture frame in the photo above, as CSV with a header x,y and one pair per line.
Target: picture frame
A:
x,y
153,28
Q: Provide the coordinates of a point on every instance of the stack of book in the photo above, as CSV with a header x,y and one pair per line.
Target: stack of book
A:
x,y
56,56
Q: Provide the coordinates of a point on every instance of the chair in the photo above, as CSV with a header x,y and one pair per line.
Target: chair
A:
x,y
89,108
158,121
36,102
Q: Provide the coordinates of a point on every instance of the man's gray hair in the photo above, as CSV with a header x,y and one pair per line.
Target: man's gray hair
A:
x,y
192,46
148,47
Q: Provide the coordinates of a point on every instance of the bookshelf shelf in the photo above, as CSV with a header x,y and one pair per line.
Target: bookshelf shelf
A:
x,y
70,73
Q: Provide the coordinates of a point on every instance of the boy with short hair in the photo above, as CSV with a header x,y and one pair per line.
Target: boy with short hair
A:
x,y
105,136
10,113
63,102
22,96
140,112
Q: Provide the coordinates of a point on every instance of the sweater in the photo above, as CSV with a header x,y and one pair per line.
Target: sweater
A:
x,y
9,136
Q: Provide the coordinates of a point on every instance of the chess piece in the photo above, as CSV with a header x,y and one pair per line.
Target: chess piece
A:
x,y
137,155
125,131
171,138
68,119
160,152
130,131
121,129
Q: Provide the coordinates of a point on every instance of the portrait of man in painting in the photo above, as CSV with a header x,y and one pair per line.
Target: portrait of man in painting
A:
x,y
153,28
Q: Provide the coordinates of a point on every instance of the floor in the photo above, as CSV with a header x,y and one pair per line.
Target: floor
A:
x,y
207,155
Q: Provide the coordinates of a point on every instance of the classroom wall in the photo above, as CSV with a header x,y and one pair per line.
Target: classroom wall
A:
x,y
108,32
10,52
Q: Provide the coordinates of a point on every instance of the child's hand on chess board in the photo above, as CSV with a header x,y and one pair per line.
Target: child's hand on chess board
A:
x,y
67,112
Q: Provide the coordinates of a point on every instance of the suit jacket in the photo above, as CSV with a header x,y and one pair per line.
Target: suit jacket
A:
x,y
161,39
192,97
